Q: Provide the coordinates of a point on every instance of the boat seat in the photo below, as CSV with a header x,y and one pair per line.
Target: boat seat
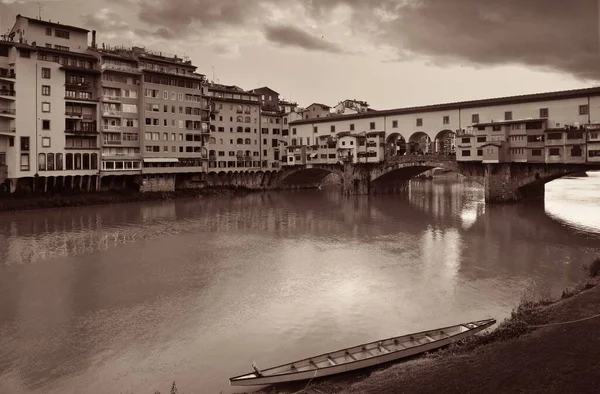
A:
x,y
383,349
430,338
331,361
347,354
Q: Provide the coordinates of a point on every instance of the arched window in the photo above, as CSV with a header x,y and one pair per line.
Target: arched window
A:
x,y
94,161
212,153
239,141
240,129
212,140
247,119
204,127
50,162
240,153
247,141
247,130
86,161
239,119
69,161
240,109
77,161
246,109
284,120
59,162
213,127
42,162
248,154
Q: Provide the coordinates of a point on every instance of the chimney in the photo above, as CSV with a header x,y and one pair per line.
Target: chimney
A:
x,y
93,38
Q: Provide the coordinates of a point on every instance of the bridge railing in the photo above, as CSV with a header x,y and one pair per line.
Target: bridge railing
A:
x,y
410,158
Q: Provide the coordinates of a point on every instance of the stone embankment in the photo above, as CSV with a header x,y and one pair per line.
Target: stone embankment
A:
x,y
18,203
549,346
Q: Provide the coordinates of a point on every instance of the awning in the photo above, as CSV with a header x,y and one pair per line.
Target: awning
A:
x,y
314,155
161,160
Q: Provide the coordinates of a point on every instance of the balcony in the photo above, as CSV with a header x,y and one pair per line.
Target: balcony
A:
x,y
111,128
7,131
76,115
78,85
111,142
125,69
7,94
82,128
7,74
79,68
111,98
112,113
7,112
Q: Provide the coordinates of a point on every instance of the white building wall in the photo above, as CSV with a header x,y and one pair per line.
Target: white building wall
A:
x,y
36,32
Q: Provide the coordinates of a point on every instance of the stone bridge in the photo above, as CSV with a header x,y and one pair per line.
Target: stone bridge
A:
x,y
503,182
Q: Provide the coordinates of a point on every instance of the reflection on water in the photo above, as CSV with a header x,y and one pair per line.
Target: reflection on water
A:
x,y
128,298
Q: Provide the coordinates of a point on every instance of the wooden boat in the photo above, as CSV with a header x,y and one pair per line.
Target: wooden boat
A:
x,y
361,356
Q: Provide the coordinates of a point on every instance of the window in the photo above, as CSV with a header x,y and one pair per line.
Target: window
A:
x,y
352,127
576,151
48,31
24,161
315,129
26,55
25,144
42,162
395,124
554,151
481,139
465,140
479,152
45,90
419,122
61,33
45,73
446,120
543,112
333,129
508,115
45,106
61,48
466,153
45,142
583,110
475,118
372,125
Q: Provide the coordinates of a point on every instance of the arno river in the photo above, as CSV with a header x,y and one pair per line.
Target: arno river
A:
x,y
129,298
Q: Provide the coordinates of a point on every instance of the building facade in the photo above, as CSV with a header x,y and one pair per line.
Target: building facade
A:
x,y
235,142
556,127
50,107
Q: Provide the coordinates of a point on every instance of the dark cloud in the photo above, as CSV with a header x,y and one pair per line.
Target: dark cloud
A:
x,y
105,21
548,34
295,37
182,14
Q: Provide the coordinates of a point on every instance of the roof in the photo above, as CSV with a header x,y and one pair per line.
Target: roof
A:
x,y
319,104
53,24
527,98
265,88
493,143
507,122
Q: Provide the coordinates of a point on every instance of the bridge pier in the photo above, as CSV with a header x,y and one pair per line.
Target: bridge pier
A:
x,y
516,182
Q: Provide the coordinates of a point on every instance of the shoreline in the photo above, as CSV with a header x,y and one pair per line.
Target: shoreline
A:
x,y
440,371
18,203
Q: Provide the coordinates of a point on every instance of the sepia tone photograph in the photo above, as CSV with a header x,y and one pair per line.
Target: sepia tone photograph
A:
x,y
299,196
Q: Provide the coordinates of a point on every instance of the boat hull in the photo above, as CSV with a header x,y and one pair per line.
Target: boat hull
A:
x,y
355,365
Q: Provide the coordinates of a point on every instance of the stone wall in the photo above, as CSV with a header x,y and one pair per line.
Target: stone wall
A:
x,y
158,184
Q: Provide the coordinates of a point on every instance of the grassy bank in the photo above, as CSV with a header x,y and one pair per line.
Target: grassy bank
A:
x,y
517,356
28,202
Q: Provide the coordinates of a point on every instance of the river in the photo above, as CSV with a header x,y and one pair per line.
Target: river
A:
x,y
129,298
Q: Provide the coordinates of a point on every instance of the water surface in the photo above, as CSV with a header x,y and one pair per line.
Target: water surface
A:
x,y
127,298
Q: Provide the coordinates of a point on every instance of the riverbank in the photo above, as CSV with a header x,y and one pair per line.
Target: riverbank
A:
x,y
513,357
29,202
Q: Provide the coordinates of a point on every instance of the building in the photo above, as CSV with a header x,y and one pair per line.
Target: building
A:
x,y
49,107
555,127
316,110
235,144
348,107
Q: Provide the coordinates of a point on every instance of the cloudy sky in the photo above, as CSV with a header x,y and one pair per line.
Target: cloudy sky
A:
x,y
390,53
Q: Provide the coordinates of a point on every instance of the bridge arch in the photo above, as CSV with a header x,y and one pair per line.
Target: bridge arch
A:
x,y
310,175
419,143
404,168
395,145
444,142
